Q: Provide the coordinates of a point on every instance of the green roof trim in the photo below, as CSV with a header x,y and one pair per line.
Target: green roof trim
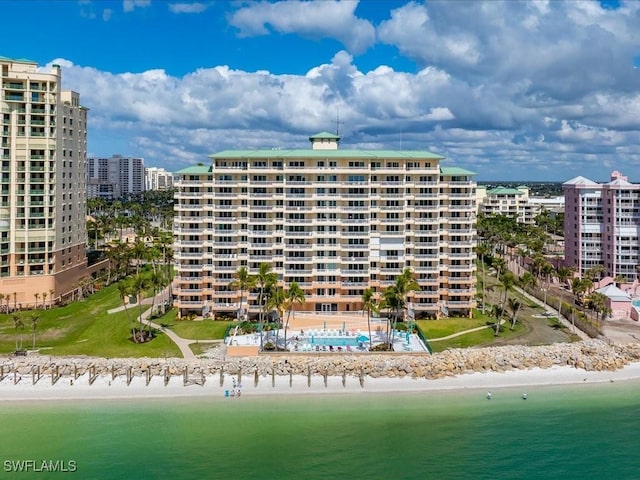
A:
x,y
455,171
17,60
308,153
195,169
324,135
504,191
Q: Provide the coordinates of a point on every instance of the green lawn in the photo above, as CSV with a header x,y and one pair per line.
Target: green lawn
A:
x,y
481,338
194,329
85,328
472,339
448,326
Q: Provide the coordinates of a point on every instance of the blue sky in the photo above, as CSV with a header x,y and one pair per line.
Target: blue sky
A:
x,y
512,90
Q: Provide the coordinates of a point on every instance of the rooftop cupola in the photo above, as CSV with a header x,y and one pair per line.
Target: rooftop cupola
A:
x,y
324,141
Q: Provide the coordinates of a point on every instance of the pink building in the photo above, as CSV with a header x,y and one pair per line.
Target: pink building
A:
x,y
618,302
602,225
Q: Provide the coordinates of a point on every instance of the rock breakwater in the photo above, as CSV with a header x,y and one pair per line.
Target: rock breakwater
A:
x,y
590,355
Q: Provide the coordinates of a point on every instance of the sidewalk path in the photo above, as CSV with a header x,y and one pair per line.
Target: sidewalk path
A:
x,y
182,343
464,332
555,313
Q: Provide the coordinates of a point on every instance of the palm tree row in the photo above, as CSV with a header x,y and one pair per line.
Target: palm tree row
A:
x,y
139,212
270,296
136,286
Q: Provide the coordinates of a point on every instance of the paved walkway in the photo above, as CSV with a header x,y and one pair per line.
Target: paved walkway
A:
x,y
555,313
182,343
464,332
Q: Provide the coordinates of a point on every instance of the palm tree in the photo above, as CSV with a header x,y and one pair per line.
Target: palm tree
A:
x,y
497,311
579,287
527,280
536,266
139,251
18,324
294,295
139,284
44,300
156,281
507,281
619,279
598,302
124,289
482,251
1,299
265,280
277,300
500,265
243,282
514,305
393,301
547,271
594,272
34,327
563,274
405,284
369,304
37,297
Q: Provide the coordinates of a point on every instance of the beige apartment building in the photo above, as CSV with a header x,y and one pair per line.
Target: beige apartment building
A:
x,y
43,143
335,221
515,202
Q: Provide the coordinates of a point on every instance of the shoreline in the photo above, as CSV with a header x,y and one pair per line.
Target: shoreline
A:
x,y
103,388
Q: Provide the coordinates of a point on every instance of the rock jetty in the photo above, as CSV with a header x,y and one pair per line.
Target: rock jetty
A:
x,y
590,355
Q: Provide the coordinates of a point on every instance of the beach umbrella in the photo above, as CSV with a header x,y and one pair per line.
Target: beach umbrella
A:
x,y
407,336
362,338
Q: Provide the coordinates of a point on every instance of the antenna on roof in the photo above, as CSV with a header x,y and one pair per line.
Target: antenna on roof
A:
x,y
338,122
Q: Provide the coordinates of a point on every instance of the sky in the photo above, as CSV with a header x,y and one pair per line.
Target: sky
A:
x,y
515,91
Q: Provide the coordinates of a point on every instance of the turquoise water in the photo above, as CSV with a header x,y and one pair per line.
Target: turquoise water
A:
x,y
581,432
335,341
635,303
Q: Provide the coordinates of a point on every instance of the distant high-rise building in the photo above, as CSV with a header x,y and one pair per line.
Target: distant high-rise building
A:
x,y
157,179
43,135
334,221
114,178
602,225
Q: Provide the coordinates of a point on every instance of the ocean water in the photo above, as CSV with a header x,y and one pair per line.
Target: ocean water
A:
x,y
577,432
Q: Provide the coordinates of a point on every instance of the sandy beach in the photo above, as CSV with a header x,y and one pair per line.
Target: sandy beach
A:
x,y
104,387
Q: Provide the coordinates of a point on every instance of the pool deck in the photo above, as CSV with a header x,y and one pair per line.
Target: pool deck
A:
x,y
313,333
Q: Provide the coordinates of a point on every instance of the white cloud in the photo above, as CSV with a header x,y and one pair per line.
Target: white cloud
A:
x,y
542,88
188,7
315,19
131,5
439,114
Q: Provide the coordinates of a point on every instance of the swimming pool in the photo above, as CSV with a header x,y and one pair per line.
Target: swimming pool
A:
x,y
334,341
636,303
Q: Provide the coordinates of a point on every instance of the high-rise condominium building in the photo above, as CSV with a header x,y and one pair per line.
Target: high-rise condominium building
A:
x,y
602,225
114,178
43,132
335,221
157,179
